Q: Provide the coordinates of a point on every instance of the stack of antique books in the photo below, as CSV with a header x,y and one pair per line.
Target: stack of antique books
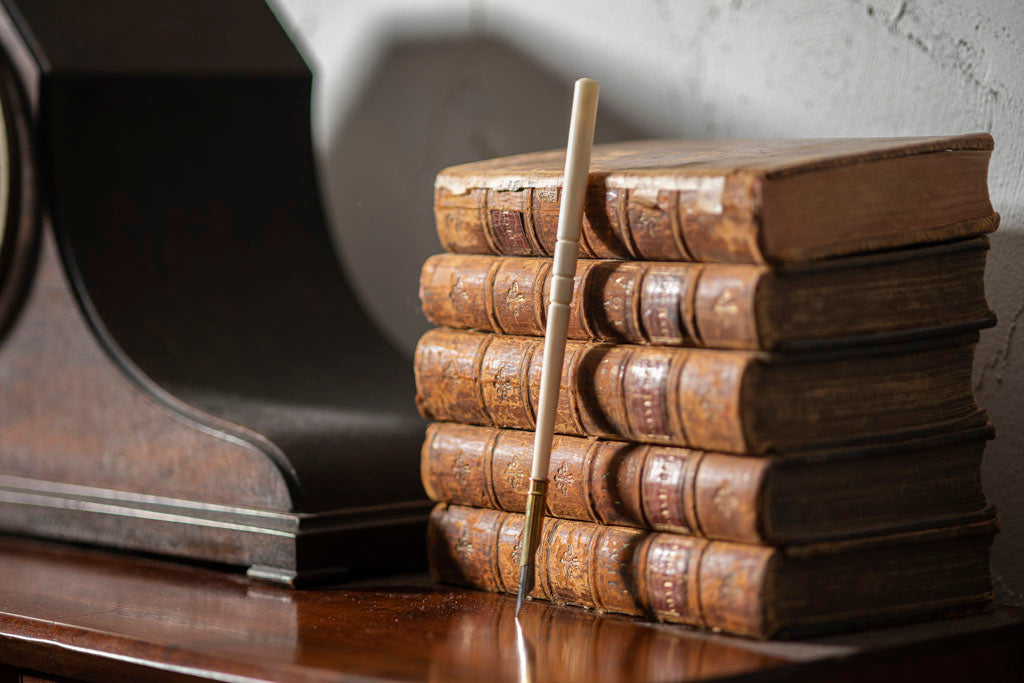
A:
x,y
766,422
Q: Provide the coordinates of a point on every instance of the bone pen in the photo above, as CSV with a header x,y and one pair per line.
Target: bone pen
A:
x,y
570,223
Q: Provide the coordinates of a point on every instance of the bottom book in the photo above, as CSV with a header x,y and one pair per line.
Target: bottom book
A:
x,y
745,589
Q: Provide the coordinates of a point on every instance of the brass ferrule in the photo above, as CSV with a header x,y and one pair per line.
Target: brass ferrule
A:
x,y
535,499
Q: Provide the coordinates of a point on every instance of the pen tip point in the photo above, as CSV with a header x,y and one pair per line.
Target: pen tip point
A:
x,y
525,585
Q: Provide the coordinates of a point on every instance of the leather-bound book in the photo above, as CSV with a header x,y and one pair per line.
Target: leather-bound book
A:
x,y
799,498
856,299
745,589
732,401
739,201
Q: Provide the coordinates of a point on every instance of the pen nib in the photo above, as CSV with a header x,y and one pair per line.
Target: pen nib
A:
x,y
525,585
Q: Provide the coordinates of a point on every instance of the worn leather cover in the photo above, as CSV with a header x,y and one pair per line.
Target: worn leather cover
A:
x,y
852,300
708,584
726,200
666,576
625,301
713,495
701,398
607,482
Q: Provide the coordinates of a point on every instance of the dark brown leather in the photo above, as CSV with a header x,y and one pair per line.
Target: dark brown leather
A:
x,y
607,482
919,292
745,589
725,201
612,569
730,401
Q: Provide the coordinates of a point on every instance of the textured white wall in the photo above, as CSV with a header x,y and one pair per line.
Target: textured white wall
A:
x,y
405,87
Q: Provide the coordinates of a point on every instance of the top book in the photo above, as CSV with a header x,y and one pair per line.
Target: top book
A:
x,y
738,201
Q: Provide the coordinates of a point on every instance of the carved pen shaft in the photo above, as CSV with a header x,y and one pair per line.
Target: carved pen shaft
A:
x,y
570,223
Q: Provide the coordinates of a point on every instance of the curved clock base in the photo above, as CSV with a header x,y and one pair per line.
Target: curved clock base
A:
x,y
291,548
88,457
185,369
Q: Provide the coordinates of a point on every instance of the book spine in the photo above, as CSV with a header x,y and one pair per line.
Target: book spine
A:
x,y
670,577
679,304
681,397
607,482
711,219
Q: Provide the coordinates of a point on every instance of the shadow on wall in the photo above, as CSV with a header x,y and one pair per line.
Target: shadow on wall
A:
x,y
428,104
998,378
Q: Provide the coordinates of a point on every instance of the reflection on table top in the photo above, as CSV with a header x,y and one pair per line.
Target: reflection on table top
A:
x,y
94,614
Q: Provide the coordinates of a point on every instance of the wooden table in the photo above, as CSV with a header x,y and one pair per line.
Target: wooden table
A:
x,y
101,616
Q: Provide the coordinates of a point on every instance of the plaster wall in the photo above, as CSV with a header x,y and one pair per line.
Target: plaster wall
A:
x,y
405,87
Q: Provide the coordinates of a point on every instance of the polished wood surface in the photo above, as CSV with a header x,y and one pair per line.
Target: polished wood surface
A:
x,y
96,615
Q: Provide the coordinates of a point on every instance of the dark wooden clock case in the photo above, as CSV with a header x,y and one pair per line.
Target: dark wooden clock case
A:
x,y
184,368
